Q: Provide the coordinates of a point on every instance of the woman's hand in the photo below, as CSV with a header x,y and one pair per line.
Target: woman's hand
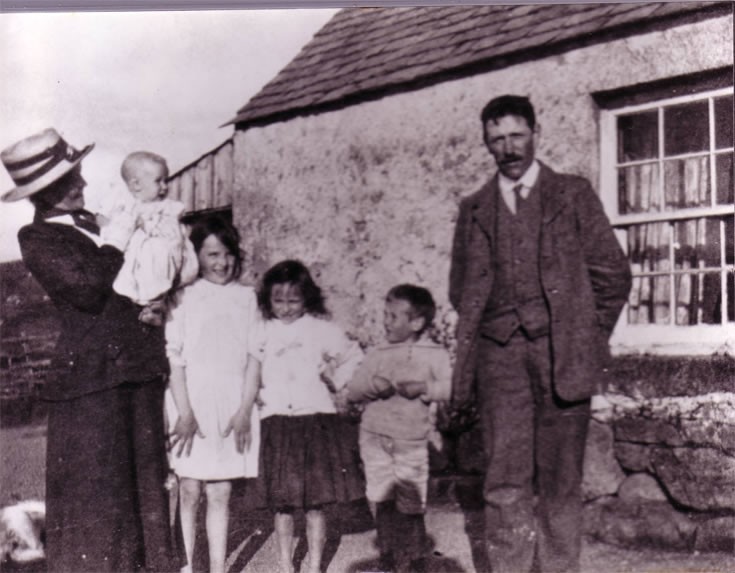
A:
x,y
240,425
185,429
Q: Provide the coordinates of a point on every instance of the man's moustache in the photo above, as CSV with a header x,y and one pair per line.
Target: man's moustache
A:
x,y
511,159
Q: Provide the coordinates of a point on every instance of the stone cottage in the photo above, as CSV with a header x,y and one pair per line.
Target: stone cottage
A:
x,y
355,156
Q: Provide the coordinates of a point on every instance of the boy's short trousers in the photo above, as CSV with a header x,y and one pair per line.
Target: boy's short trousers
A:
x,y
395,469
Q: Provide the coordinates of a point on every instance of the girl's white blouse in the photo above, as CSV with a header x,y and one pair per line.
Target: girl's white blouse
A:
x,y
293,355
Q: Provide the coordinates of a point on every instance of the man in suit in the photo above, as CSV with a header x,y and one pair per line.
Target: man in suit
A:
x,y
538,280
107,508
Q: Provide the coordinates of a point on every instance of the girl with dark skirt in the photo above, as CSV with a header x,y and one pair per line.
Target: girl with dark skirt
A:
x,y
307,458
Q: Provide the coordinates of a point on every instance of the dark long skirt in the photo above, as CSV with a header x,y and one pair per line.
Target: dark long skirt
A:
x,y
308,461
107,508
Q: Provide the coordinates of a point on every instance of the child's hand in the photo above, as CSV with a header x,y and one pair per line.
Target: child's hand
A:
x,y
240,424
327,368
383,388
154,313
410,389
185,429
341,403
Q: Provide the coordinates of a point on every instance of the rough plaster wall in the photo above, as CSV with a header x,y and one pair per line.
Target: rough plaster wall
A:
x,y
367,196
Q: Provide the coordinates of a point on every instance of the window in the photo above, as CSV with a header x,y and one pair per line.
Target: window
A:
x,y
667,186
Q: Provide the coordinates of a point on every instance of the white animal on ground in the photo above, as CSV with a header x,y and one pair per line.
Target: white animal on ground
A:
x,y
22,530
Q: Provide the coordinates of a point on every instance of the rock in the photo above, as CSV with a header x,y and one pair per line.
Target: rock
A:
x,y
698,478
707,420
713,425
687,442
601,408
651,524
602,473
633,457
647,430
656,376
641,486
716,534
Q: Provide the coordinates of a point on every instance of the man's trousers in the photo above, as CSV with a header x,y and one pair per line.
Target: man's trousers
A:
x,y
534,445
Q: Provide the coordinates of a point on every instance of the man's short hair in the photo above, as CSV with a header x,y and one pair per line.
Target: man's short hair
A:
x,y
419,298
508,105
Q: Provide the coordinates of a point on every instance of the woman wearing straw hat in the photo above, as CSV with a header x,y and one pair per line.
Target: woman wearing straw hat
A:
x,y
107,508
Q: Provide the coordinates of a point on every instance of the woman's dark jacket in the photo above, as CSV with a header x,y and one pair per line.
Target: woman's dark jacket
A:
x,y
102,343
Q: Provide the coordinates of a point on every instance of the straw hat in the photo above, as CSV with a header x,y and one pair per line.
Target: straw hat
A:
x,y
37,161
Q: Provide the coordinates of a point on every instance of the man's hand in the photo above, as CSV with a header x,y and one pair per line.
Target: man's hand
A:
x,y
185,429
240,425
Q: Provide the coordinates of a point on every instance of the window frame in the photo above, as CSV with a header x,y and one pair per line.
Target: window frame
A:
x,y
699,339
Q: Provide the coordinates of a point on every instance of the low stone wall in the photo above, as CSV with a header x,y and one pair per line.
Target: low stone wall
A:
x,y
661,454
660,458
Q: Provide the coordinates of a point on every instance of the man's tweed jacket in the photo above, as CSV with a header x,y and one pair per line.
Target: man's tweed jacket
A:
x,y
585,278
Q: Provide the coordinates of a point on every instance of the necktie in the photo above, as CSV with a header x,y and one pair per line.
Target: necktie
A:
x,y
86,220
517,188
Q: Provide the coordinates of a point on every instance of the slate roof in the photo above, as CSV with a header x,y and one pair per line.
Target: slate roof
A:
x,y
369,52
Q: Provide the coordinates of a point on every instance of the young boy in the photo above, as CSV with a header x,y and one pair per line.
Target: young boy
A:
x,y
399,381
159,255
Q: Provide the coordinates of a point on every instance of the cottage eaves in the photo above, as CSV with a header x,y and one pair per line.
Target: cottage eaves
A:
x,y
364,53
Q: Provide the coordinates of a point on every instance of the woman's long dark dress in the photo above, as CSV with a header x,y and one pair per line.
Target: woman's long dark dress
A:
x,y
107,508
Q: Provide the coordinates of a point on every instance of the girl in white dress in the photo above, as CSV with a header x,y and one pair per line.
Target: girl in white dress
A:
x,y
309,457
214,381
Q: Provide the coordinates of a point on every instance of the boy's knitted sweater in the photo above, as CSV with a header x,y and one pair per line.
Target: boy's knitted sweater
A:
x,y
396,416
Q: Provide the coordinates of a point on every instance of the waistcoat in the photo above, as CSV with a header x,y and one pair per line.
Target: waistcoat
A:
x,y
516,300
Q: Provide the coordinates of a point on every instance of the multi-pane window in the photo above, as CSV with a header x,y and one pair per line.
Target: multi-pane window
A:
x,y
670,170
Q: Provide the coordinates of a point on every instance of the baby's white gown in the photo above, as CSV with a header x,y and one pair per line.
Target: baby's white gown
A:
x,y
211,332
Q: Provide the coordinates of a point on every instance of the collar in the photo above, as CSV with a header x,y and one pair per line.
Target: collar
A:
x,y
422,342
64,218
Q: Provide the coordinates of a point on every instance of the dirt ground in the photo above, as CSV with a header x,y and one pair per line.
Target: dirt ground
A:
x,y
456,533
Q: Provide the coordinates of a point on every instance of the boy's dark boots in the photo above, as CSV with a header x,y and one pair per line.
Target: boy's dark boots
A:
x,y
385,525
412,545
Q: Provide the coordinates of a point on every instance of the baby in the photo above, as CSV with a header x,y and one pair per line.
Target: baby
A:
x,y
159,256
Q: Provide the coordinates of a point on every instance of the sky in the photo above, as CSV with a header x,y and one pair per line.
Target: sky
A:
x,y
161,81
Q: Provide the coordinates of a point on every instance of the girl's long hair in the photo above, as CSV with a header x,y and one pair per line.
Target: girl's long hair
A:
x,y
295,273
